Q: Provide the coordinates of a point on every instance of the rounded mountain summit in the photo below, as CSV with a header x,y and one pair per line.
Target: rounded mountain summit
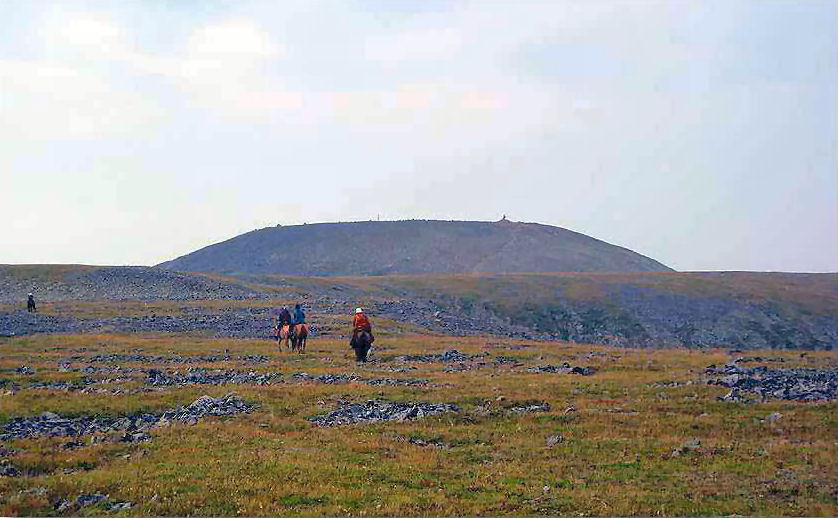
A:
x,y
412,247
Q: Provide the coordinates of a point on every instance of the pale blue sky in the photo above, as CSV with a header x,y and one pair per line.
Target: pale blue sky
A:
x,y
702,134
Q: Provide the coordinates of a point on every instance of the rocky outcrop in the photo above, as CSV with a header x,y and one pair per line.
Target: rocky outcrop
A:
x,y
799,384
376,410
132,428
194,376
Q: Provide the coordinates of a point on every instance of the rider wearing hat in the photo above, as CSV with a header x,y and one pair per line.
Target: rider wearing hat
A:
x,y
360,322
360,327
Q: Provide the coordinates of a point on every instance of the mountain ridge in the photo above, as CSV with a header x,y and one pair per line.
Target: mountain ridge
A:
x,y
412,246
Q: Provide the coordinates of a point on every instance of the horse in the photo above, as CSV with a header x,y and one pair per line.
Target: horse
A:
x,y
299,335
361,342
283,333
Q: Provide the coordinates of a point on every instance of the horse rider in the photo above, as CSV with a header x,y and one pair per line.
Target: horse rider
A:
x,y
283,320
360,324
30,303
299,316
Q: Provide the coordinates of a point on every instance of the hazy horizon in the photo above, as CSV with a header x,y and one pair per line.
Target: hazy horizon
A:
x,y
700,134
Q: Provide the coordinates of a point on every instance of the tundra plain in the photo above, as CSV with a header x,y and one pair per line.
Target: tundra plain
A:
x,y
641,435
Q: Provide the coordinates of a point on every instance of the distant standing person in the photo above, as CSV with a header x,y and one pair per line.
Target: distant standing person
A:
x,y
30,304
362,337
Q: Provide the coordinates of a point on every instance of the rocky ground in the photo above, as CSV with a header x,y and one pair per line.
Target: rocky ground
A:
x,y
113,283
376,410
332,379
159,378
133,428
565,368
232,324
798,384
694,310
465,415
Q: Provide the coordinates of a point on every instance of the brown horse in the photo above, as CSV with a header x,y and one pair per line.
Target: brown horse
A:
x,y
299,335
361,342
283,333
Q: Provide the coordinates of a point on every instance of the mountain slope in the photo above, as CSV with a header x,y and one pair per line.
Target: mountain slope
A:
x,y
406,247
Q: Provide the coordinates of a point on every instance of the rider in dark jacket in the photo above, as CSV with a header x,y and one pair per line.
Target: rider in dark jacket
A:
x,y
284,317
299,315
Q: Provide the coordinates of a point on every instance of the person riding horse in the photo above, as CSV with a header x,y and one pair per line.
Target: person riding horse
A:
x,y
298,330
284,319
362,337
299,316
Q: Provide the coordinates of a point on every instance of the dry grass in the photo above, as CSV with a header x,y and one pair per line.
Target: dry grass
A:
x,y
615,458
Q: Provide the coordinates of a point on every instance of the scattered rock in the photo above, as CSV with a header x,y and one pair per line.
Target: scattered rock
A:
x,y
333,379
528,407
34,491
799,384
61,505
619,410
86,500
563,369
135,427
329,379
774,417
421,442
25,369
688,446
554,440
513,360
451,355
405,382
7,452
174,359
376,410
199,376
8,470
692,444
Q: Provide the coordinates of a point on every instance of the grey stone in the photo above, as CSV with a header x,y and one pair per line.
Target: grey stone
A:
x,y
8,470
378,410
554,440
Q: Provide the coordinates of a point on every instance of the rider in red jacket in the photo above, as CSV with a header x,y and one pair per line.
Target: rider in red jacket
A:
x,y
360,322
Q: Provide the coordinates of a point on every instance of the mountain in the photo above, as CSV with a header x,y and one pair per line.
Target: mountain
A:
x,y
410,247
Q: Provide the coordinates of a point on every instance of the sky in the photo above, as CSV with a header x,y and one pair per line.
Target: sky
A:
x,y
702,134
